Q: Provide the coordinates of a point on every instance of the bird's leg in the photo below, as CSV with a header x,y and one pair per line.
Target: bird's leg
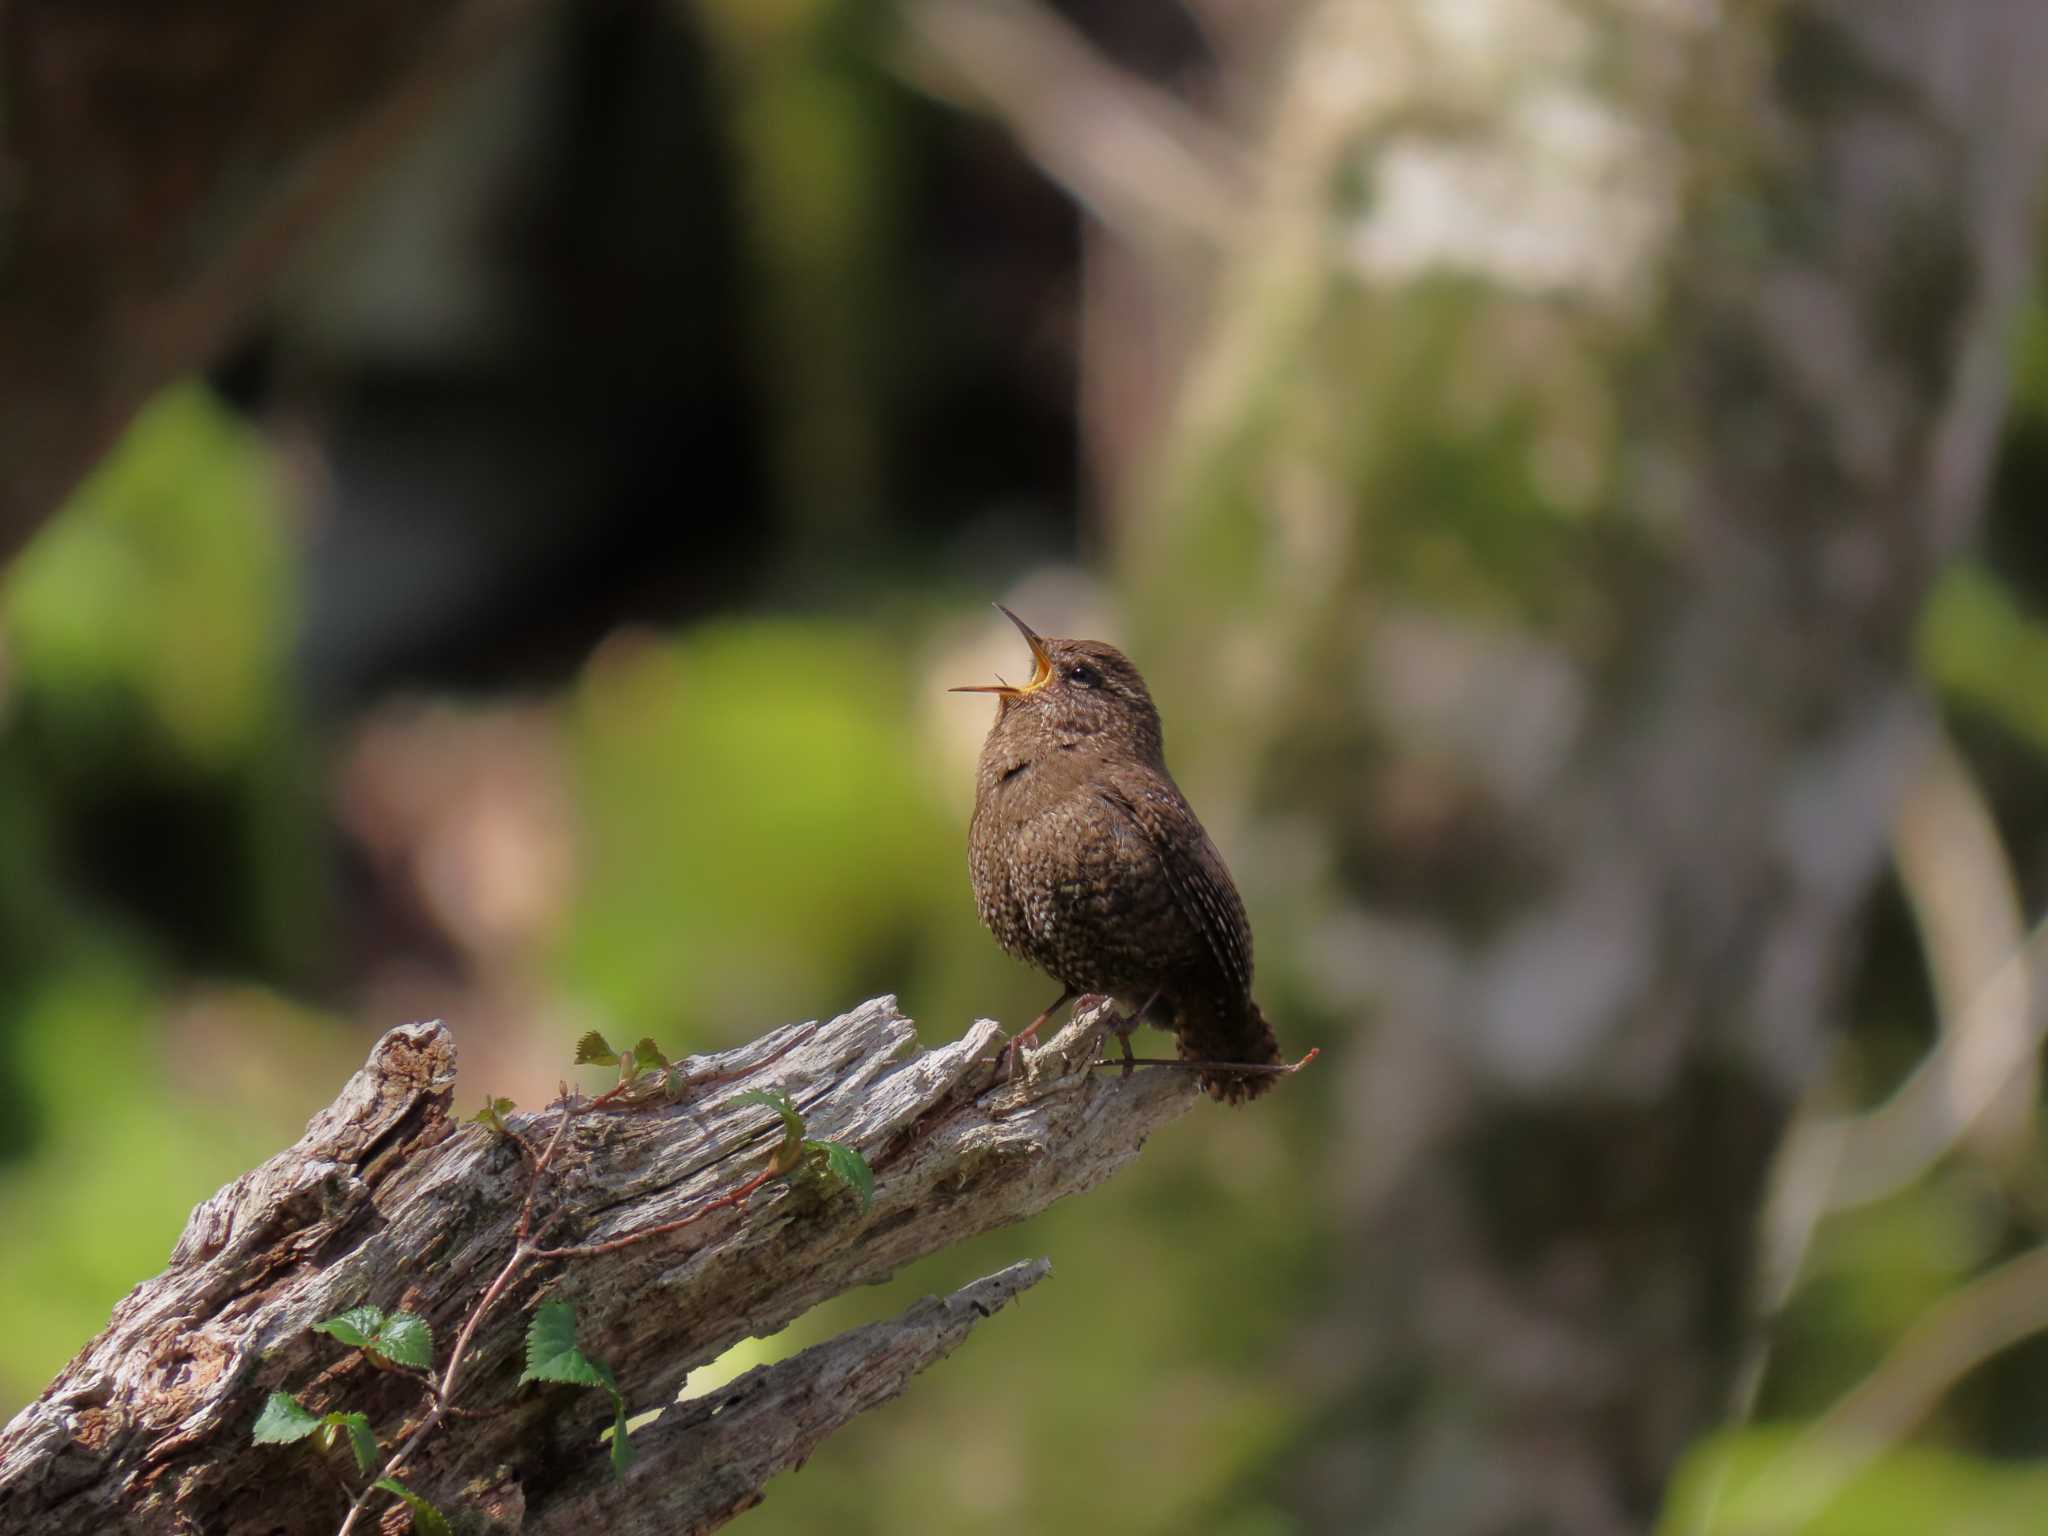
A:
x,y
1123,1029
1030,1032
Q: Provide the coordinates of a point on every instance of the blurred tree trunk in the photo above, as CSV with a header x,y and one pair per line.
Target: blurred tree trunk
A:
x,y
158,165
1613,378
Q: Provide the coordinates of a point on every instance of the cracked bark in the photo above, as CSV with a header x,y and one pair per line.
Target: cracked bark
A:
x,y
388,1199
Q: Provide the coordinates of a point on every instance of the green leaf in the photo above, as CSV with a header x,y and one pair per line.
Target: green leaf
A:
x,y
849,1167
426,1520
357,1327
360,1440
283,1420
647,1055
551,1352
552,1355
594,1050
780,1102
622,1445
791,1151
405,1339
493,1115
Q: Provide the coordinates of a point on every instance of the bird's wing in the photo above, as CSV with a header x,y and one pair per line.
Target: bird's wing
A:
x,y
1195,872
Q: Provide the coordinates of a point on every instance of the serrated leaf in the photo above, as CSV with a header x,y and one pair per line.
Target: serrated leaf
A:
x,y
594,1050
357,1427
426,1520
622,1444
357,1327
551,1352
493,1114
850,1168
284,1419
647,1055
405,1339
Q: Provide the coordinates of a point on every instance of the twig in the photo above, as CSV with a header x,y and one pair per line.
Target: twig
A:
x,y
1989,1315
525,1226
1136,157
613,1245
1957,876
1231,1068
425,1379
523,1250
527,1250
1884,1149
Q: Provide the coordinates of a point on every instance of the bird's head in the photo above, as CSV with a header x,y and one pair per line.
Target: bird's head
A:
x,y
1078,690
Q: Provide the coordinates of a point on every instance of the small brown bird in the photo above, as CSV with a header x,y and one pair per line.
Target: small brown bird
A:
x,y
1088,863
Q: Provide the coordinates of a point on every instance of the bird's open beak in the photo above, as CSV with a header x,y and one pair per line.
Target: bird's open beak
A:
x,y
1041,671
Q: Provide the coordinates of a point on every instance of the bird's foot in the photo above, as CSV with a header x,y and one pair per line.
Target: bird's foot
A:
x,y
1123,1029
1013,1054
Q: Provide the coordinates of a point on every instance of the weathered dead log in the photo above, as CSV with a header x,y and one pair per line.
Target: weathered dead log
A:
x,y
389,1200
715,1452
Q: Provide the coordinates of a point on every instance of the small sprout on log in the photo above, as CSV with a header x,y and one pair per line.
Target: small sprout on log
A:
x,y
791,1151
849,1168
492,1115
834,1159
594,1050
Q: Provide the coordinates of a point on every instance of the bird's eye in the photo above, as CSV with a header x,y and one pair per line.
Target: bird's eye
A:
x,y
1084,675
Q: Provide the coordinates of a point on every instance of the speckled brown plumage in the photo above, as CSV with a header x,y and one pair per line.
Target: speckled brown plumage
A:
x,y
1088,862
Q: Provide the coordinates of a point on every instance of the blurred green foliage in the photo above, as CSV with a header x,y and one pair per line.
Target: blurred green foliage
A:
x,y
758,833
1722,1491
157,611
811,127
1166,1338
142,642
1983,650
763,833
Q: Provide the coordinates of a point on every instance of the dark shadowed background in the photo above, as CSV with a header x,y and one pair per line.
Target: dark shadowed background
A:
x,y
498,492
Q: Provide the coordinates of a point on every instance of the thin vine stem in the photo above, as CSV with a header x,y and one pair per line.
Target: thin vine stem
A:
x,y
523,1250
527,1249
1231,1068
731,1197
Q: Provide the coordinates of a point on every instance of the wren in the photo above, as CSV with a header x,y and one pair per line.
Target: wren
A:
x,y
1088,862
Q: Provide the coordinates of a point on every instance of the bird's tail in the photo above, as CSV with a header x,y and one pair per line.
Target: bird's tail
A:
x,y
1223,1029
